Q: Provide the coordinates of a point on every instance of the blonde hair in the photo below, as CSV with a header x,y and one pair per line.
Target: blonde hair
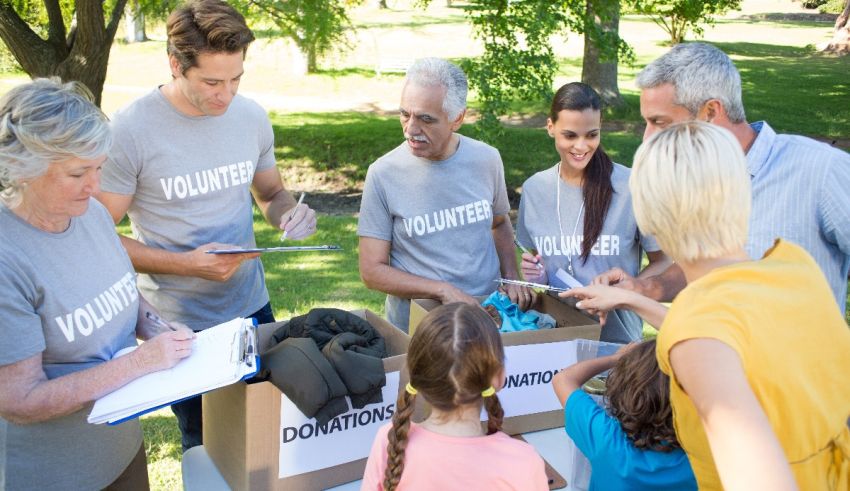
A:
x,y
691,190
46,121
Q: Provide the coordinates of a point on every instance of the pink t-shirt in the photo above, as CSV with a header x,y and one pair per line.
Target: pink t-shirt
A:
x,y
434,461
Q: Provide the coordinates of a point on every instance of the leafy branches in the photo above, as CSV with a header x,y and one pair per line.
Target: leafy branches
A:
x,y
518,61
315,26
677,17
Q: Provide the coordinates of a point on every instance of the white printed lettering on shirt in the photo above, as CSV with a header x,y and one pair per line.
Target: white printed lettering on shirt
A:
x,y
207,180
448,218
552,245
85,319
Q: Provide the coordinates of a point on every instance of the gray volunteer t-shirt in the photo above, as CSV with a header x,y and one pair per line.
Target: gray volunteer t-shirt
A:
x,y
438,216
619,245
190,178
72,297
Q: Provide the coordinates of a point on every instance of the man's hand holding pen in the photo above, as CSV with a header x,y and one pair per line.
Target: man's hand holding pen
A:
x,y
298,222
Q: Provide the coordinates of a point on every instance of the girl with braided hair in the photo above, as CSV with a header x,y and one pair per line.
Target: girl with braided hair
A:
x,y
456,363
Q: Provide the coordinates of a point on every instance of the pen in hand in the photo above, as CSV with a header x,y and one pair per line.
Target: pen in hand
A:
x,y
289,218
157,321
525,250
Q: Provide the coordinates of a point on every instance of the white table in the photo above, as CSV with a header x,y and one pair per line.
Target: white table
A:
x,y
200,474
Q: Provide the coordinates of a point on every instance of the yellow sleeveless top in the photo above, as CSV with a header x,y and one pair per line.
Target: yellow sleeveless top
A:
x,y
780,316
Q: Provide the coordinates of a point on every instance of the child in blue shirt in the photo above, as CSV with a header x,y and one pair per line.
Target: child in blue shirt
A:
x,y
633,445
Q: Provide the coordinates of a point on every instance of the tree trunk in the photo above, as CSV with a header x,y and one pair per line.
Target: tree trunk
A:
x,y
596,71
840,43
81,55
312,62
134,23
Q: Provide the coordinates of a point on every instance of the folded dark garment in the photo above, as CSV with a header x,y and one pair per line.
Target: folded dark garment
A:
x,y
299,370
359,367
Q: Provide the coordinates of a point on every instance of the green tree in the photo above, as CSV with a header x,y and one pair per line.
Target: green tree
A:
x,y
315,26
39,37
677,17
518,61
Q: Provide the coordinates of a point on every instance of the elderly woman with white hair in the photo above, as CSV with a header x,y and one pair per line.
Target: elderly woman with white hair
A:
x,y
757,350
68,300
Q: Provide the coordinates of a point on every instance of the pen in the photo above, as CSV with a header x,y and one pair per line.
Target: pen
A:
x,y
300,200
159,322
525,250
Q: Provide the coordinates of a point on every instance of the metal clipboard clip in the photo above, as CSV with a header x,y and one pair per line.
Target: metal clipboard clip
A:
x,y
249,333
245,344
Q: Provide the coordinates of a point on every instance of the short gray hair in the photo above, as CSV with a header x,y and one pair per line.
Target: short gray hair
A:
x,y
429,72
46,121
699,72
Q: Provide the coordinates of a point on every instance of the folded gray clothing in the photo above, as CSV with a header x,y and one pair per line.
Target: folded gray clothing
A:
x,y
299,370
350,348
360,369
324,323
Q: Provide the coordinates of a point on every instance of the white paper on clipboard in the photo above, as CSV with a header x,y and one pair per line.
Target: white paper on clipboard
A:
x,y
568,279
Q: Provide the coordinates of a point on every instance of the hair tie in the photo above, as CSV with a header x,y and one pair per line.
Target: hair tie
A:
x,y
410,389
489,391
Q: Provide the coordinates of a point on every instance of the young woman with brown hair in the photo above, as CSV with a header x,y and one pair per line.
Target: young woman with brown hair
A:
x,y
633,445
578,214
456,362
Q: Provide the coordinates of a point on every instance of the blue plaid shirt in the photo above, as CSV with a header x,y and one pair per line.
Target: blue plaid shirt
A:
x,y
801,193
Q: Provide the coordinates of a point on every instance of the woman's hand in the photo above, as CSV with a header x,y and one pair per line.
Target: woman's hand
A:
x,y
164,350
597,299
533,270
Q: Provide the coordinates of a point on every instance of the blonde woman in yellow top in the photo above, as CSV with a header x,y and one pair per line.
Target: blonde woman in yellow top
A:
x,y
756,350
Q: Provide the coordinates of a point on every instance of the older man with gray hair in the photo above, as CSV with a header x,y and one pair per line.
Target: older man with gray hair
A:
x,y
433,219
799,186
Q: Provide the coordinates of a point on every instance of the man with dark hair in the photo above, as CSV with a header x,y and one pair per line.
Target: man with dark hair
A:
x,y
187,159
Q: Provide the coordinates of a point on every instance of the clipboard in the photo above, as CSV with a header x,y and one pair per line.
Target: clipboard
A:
x,y
221,355
276,249
529,284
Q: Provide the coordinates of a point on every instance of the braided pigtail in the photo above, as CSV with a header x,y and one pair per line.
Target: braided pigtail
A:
x,y
397,440
495,414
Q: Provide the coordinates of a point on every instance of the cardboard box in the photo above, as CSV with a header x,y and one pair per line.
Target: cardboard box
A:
x,y
532,357
260,441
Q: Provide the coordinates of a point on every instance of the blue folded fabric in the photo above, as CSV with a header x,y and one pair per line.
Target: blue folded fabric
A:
x,y
514,319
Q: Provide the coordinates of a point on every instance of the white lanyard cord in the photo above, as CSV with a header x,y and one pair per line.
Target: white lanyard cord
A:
x,y
561,227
